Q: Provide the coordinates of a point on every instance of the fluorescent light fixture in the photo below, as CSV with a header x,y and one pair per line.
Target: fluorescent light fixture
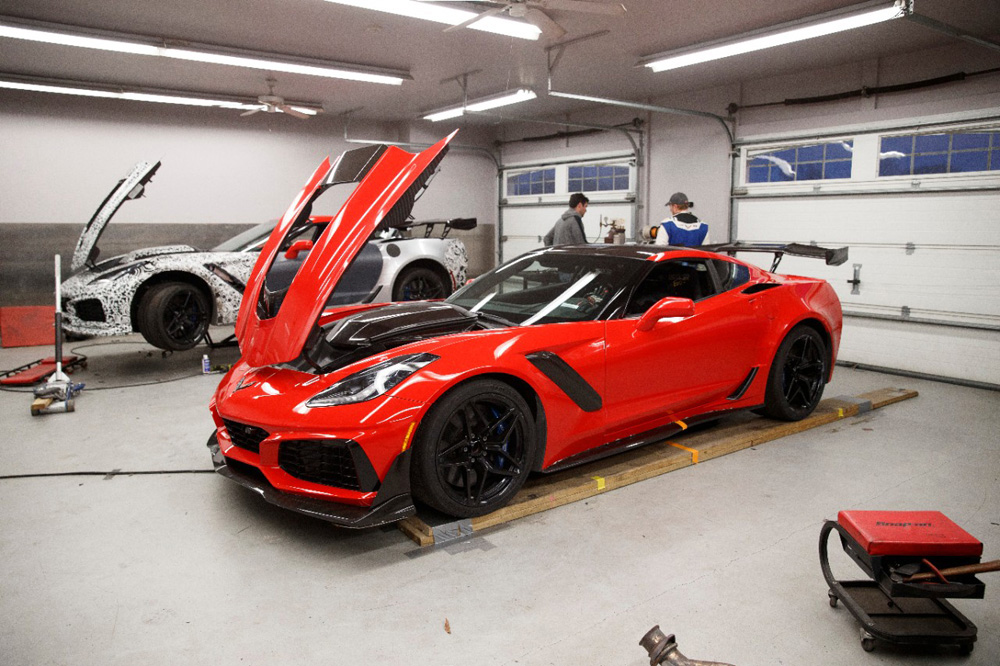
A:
x,y
445,115
850,18
447,16
483,104
54,33
62,87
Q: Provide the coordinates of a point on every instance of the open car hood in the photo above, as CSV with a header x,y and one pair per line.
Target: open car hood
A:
x,y
128,188
273,325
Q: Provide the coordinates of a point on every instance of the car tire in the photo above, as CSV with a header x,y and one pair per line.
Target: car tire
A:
x,y
173,315
797,376
474,449
418,283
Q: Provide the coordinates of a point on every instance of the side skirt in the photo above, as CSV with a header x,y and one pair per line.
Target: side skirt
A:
x,y
634,441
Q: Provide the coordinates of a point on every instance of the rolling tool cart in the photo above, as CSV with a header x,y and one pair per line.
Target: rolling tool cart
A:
x,y
914,560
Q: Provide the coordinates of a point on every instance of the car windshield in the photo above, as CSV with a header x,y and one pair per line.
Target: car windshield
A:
x,y
251,239
548,287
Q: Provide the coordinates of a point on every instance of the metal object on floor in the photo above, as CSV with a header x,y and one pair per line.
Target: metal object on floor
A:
x,y
56,395
662,649
891,606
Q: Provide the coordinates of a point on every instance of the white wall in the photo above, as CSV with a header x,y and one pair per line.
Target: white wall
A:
x,y
61,155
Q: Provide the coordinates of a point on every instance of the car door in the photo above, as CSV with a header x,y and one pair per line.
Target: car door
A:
x,y
684,363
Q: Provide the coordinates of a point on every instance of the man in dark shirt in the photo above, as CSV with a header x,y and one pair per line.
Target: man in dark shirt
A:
x,y
568,230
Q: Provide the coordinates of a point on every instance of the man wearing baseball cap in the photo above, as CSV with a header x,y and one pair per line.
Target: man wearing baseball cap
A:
x,y
682,228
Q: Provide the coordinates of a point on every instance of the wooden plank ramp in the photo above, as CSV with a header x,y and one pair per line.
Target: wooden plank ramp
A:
x,y
736,432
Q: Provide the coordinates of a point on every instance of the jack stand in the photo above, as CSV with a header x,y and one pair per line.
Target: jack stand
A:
x,y
229,341
56,395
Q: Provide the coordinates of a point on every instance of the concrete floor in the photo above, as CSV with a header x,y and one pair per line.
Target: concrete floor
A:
x,y
183,567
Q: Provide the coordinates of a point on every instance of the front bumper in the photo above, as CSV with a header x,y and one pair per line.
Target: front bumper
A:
x,y
110,321
103,308
392,504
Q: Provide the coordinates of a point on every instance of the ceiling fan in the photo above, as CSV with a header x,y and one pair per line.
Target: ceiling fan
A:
x,y
533,11
271,103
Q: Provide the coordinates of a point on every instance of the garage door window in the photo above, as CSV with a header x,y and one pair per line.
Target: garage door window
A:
x,y
817,161
952,152
598,178
538,181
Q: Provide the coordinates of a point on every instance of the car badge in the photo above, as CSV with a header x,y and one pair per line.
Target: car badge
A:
x,y
243,383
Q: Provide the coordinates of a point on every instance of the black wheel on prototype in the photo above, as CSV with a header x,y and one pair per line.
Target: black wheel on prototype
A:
x,y
474,450
173,316
419,284
797,376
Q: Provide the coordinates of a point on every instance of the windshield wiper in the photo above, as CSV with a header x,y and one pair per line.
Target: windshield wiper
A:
x,y
496,319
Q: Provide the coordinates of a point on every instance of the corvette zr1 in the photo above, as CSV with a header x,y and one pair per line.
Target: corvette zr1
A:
x,y
558,357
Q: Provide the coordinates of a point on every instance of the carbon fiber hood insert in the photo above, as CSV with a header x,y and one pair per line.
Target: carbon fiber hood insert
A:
x,y
375,331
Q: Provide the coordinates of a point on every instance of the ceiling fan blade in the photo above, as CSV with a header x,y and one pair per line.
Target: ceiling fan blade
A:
x,y
612,8
251,112
549,28
473,19
284,108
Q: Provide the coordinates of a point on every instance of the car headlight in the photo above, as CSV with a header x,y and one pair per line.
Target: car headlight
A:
x,y
371,382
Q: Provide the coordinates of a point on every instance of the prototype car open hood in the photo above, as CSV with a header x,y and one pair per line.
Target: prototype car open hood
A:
x,y
273,326
128,188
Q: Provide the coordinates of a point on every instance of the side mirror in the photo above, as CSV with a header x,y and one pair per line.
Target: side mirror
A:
x,y
301,245
665,308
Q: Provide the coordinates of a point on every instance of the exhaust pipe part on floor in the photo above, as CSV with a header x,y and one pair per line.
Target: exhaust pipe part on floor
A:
x,y
662,649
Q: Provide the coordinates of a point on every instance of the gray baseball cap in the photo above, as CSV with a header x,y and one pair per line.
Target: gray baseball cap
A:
x,y
680,199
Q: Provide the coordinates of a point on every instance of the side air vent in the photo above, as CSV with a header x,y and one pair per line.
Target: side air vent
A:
x,y
757,288
744,385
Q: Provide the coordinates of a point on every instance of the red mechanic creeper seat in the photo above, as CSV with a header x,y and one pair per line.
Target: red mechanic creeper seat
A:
x,y
920,533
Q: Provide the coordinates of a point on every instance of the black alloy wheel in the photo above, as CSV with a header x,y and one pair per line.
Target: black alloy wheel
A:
x,y
419,284
475,449
173,316
798,375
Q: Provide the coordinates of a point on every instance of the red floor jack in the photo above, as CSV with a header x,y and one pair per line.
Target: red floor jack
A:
x,y
56,394
914,560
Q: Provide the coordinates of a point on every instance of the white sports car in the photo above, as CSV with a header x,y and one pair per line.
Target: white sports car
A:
x,y
171,294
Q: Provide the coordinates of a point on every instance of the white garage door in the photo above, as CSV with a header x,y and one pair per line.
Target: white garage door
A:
x,y
536,195
920,211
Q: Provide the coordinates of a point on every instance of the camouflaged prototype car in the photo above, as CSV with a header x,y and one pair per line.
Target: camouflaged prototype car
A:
x,y
171,294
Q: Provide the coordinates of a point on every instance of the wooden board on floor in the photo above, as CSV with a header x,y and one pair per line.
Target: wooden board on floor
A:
x,y
741,431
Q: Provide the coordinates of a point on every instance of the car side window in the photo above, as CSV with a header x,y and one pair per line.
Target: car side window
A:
x,y
731,274
681,278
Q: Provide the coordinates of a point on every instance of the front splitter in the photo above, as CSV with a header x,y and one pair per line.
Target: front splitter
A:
x,y
342,515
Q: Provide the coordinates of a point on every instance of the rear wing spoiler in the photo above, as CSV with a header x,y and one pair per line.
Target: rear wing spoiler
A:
x,y
832,257
460,223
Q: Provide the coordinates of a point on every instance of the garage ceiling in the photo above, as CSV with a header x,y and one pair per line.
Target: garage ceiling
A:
x,y
602,65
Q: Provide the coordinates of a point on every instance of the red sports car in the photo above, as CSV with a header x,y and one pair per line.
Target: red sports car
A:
x,y
560,356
